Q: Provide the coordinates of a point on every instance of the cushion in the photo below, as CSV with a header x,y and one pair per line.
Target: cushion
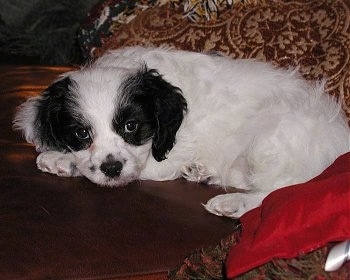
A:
x,y
295,220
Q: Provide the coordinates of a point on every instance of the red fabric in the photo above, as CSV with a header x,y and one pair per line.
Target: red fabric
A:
x,y
295,220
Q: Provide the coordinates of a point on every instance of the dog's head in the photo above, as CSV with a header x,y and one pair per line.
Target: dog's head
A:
x,y
111,119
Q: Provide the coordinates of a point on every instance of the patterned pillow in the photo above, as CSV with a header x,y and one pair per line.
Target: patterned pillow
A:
x,y
312,35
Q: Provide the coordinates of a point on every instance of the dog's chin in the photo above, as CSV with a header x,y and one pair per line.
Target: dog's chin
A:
x,y
113,183
104,181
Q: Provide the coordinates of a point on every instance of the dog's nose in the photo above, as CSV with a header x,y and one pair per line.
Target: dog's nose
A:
x,y
111,168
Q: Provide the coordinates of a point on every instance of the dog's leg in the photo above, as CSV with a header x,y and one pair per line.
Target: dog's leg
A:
x,y
61,164
234,205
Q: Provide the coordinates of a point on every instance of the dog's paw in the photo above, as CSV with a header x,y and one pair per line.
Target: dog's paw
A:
x,y
57,163
197,172
233,205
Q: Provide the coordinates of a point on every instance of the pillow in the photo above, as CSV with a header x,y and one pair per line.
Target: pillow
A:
x,y
295,220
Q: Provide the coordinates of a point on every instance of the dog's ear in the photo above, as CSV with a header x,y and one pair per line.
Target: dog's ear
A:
x,y
38,118
169,109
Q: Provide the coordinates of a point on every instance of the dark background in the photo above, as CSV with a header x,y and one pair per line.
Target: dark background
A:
x,y
41,31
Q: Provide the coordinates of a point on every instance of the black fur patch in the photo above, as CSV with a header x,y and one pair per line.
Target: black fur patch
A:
x,y
56,123
156,106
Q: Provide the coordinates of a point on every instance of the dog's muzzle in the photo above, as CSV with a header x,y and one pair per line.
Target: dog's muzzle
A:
x,y
111,167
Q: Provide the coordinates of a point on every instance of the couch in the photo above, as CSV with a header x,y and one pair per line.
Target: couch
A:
x,y
68,228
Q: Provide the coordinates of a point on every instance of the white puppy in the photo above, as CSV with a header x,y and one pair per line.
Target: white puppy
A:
x,y
140,113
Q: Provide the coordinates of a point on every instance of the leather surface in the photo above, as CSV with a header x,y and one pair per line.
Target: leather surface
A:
x,y
68,228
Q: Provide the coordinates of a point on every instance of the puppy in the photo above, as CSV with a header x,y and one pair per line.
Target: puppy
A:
x,y
141,113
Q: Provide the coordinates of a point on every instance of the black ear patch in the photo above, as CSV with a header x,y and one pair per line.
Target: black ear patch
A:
x,y
164,101
54,115
170,109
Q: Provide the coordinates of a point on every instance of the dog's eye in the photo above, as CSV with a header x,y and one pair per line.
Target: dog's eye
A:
x,y
82,133
130,126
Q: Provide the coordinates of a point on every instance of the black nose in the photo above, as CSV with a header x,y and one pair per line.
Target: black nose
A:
x,y
111,168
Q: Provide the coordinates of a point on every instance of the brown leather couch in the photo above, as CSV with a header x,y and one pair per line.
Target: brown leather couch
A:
x,y
68,228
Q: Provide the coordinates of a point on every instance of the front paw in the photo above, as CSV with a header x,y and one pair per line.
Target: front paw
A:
x,y
197,172
233,205
57,163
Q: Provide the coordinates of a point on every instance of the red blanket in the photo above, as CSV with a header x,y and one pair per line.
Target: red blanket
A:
x,y
295,220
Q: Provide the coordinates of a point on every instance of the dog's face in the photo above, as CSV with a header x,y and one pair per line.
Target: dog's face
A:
x,y
110,119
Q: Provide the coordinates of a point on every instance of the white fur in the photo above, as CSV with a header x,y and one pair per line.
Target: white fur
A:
x,y
249,125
